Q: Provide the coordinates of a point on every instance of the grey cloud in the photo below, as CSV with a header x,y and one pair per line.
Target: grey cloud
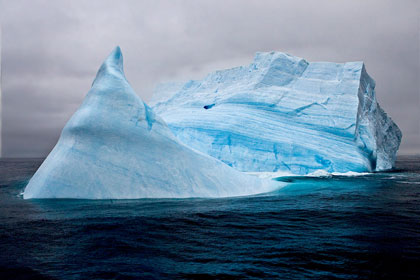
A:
x,y
52,50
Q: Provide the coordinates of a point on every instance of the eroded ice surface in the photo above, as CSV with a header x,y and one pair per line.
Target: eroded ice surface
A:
x,y
282,113
114,146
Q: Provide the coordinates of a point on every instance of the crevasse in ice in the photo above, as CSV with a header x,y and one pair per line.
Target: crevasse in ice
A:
x,y
282,113
115,146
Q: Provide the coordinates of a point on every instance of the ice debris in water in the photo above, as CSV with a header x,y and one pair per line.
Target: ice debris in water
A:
x,y
115,146
282,113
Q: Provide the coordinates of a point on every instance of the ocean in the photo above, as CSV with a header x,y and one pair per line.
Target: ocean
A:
x,y
328,227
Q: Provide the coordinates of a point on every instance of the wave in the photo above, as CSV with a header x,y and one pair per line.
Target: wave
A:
x,y
315,174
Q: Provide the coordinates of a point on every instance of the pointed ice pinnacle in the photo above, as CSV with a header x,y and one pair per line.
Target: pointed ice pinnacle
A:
x,y
114,146
112,66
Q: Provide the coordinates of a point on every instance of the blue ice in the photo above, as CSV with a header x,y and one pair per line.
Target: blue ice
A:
x,y
283,113
116,147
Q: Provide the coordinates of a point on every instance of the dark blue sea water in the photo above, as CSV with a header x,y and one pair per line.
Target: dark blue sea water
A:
x,y
364,227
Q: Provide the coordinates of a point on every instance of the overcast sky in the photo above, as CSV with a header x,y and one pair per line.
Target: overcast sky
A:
x,y
51,51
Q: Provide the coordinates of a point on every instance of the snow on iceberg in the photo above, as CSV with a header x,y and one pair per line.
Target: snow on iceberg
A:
x,y
114,146
282,113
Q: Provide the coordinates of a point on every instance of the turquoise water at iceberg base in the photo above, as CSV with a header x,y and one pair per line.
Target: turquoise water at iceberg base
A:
x,y
364,227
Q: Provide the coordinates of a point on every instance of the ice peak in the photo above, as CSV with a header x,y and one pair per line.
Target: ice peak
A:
x,y
112,66
269,59
278,69
115,59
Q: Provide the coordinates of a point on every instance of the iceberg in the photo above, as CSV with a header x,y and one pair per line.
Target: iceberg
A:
x,y
283,113
116,147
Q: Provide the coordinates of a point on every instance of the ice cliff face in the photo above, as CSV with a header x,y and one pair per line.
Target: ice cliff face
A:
x,y
282,113
115,146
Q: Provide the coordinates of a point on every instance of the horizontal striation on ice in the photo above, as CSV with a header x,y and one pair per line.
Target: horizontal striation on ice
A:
x,y
282,113
115,146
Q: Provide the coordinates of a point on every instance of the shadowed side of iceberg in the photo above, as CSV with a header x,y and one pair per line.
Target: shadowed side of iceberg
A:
x,y
377,136
115,146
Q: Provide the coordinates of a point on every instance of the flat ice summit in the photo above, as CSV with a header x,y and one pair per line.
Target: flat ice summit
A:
x,y
282,113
